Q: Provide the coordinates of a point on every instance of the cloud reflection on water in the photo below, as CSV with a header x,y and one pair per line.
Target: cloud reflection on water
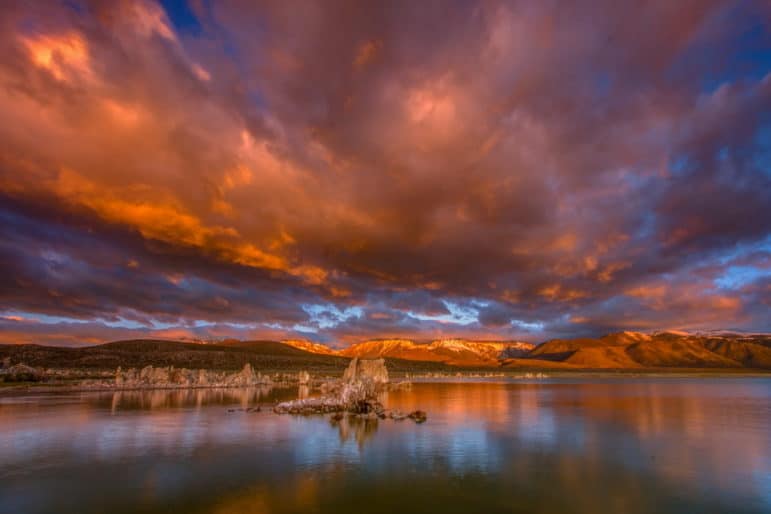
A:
x,y
579,447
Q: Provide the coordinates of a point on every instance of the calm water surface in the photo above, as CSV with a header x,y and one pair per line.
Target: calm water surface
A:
x,y
559,446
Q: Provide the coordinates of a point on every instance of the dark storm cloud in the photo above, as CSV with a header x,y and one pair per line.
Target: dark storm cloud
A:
x,y
64,268
344,170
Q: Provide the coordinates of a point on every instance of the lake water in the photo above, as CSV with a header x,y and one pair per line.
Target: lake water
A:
x,y
632,445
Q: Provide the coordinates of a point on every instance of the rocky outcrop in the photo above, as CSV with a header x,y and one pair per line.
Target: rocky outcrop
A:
x,y
150,376
21,373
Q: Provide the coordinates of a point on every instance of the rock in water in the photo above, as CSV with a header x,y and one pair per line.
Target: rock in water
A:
x,y
357,394
362,382
357,391
321,405
418,416
371,369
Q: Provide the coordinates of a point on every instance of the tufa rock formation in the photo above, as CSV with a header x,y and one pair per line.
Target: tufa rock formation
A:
x,y
362,381
372,370
357,394
150,376
21,373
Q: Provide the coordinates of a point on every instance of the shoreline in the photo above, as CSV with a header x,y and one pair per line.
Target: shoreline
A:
x,y
530,376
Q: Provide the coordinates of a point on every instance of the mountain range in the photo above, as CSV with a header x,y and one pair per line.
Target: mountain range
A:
x,y
622,351
453,352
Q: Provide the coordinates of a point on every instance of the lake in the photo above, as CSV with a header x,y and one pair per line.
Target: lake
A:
x,y
620,445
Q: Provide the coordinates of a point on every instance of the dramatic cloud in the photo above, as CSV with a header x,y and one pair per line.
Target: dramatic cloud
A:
x,y
350,170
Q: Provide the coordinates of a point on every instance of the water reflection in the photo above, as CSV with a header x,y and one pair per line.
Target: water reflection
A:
x,y
648,445
356,428
198,398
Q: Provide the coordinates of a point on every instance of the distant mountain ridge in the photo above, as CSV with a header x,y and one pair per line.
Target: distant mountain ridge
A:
x,y
456,352
451,351
310,346
620,350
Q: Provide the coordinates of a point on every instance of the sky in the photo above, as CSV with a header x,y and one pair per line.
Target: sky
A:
x,y
344,170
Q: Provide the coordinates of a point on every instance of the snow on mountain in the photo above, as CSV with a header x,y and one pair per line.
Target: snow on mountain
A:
x,y
379,348
310,346
451,351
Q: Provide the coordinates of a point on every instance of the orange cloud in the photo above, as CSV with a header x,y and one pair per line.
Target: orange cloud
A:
x,y
647,291
559,293
160,217
564,242
367,53
65,55
123,113
606,274
430,105
726,303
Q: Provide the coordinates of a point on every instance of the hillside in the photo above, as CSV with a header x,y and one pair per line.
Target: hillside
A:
x,y
228,355
682,353
139,353
751,355
561,349
632,350
608,357
266,348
